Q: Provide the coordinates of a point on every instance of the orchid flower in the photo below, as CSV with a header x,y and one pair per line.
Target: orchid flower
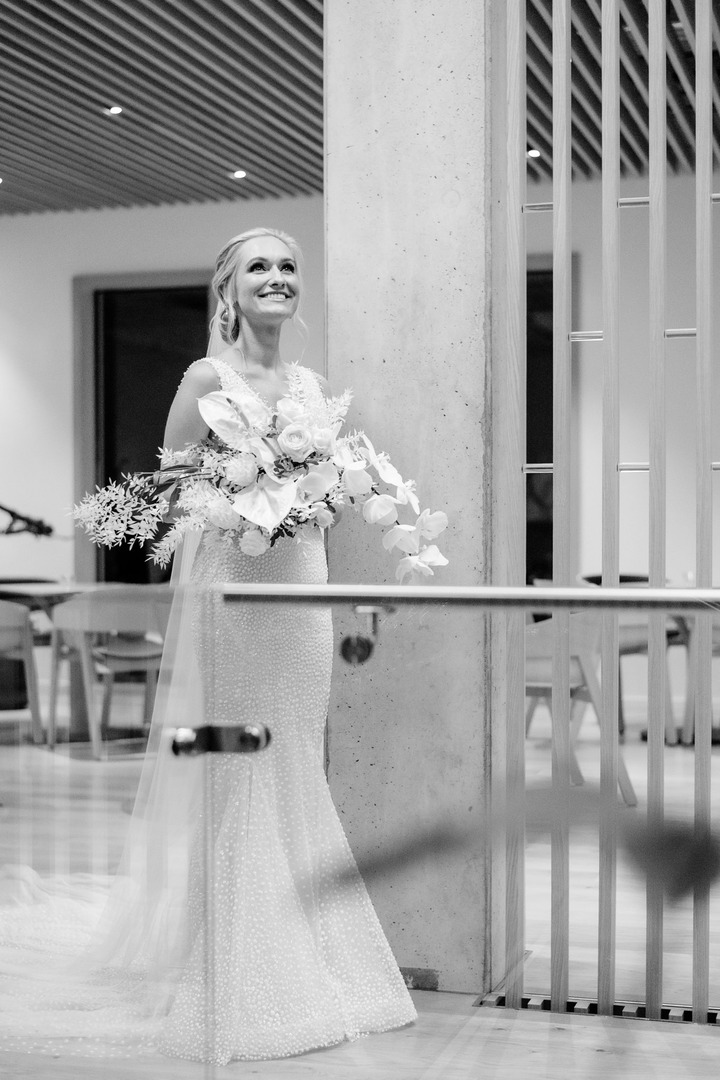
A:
x,y
408,537
382,464
420,565
380,510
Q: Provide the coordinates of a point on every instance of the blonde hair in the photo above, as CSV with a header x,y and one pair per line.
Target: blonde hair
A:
x,y
226,320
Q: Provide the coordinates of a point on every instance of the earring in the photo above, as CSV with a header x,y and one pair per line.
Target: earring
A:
x,y
229,323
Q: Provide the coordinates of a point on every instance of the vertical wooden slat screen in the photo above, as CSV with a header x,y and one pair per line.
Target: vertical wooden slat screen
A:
x,y
618,22
515,491
610,499
704,531
562,293
657,688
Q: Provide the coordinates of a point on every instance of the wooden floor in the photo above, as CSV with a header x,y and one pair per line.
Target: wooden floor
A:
x,y
451,1040
63,811
679,766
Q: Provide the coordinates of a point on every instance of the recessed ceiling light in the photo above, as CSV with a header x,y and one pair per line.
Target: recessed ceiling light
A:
x,y
113,110
238,174
533,153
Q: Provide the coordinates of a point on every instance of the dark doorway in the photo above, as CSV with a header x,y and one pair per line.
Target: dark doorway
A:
x,y
144,341
539,430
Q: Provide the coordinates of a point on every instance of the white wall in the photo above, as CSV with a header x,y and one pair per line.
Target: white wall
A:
x,y
40,254
587,226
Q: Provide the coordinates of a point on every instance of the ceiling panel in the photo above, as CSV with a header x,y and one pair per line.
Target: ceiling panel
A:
x,y
208,87
586,44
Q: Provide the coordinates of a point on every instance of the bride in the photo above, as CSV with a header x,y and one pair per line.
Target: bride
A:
x,y
238,926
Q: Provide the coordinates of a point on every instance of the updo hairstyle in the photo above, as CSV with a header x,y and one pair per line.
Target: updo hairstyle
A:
x,y
227,315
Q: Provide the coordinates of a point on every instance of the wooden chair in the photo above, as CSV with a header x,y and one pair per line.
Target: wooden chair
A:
x,y
633,640
584,683
112,630
16,643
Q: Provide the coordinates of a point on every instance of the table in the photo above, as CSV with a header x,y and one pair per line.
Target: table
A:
x,y
43,596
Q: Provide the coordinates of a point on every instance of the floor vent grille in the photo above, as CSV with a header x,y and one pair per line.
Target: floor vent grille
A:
x,y
633,1010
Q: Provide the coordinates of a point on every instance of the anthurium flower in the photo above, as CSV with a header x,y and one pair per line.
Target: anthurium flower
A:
x,y
265,451
266,502
380,510
420,565
232,413
317,482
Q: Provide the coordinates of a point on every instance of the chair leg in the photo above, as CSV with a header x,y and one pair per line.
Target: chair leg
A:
x,y
32,688
88,672
625,783
688,732
151,679
621,711
577,711
55,646
108,683
530,712
671,735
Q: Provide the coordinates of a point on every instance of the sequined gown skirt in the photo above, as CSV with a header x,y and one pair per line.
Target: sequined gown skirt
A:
x,y
287,953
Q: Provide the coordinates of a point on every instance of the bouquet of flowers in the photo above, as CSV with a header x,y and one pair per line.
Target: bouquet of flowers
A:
x,y
262,474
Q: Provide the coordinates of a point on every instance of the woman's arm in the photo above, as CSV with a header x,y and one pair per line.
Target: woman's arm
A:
x,y
185,425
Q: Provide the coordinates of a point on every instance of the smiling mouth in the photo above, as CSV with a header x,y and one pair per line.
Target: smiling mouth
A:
x,y
275,296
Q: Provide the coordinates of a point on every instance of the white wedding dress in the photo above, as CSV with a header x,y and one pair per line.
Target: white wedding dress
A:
x,y
238,926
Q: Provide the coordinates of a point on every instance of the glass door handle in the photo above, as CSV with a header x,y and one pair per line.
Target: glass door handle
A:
x,y
220,739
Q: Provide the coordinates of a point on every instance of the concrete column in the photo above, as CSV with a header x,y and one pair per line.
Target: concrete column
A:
x,y
408,239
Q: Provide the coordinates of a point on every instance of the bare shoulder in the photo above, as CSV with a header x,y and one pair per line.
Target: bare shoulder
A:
x,y
201,378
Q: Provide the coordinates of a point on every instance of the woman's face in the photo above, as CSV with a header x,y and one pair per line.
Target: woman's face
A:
x,y
266,282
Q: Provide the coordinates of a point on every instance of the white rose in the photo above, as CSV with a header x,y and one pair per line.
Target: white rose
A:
x,y
241,470
221,514
296,442
288,412
254,542
324,440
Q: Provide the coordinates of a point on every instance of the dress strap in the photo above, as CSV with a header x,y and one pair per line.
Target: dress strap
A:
x,y
226,373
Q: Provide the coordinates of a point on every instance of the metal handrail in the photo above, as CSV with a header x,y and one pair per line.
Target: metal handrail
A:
x,y
535,598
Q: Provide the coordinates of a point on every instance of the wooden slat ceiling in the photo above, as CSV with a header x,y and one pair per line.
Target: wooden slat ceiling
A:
x,y
586,83
207,87
211,86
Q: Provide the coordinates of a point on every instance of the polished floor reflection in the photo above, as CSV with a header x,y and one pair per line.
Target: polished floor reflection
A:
x,y
679,764
63,811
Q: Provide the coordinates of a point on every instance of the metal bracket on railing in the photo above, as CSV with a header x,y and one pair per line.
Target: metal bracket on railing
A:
x,y
220,739
357,648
